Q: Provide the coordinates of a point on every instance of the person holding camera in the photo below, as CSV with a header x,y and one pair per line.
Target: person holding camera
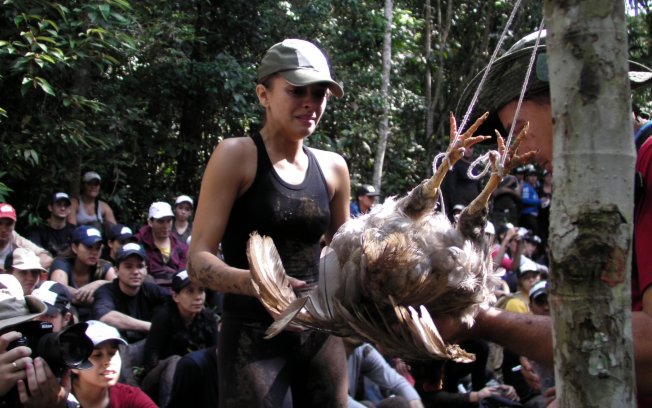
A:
x,y
18,370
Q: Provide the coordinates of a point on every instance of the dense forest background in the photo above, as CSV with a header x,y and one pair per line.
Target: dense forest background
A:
x,y
143,91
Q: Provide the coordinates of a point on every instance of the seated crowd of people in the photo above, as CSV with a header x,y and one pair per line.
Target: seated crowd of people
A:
x,y
154,332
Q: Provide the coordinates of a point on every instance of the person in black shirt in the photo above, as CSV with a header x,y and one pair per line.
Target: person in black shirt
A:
x,y
128,302
56,234
184,324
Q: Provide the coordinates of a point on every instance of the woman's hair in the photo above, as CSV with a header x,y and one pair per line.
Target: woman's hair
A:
x,y
97,271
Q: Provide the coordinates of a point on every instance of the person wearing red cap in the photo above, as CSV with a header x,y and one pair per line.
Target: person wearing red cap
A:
x,y
10,239
272,183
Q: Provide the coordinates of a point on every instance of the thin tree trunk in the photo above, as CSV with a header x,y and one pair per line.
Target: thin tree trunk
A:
x,y
428,81
383,128
591,228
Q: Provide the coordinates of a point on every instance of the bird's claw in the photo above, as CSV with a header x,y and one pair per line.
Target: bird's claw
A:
x,y
460,142
512,158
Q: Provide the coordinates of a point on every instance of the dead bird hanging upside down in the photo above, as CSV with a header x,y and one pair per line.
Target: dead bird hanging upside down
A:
x,y
386,274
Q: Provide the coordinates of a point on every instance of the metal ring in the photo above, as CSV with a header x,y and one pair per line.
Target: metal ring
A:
x,y
15,365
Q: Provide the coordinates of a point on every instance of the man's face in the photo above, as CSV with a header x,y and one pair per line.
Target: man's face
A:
x,y
132,272
161,227
60,209
6,230
539,137
28,278
540,306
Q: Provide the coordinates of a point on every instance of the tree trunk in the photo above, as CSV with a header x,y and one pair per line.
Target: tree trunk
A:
x,y
383,128
428,82
593,206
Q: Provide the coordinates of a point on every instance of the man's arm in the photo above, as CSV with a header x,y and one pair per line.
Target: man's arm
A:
x,y
122,321
642,333
380,372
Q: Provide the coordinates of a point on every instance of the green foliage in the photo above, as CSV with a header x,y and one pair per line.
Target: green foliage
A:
x,y
142,92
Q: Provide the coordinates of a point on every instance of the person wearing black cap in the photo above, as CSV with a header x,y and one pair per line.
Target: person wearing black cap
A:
x,y
128,302
365,198
499,97
81,270
183,325
56,234
57,299
274,184
117,236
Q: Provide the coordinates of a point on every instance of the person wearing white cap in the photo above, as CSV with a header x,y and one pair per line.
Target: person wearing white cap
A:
x,y
272,183
166,255
182,227
26,267
17,368
88,209
98,386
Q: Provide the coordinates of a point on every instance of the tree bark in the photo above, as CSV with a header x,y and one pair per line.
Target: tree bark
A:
x,y
383,127
591,228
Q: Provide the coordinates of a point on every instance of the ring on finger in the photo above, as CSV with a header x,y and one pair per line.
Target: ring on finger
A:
x,y
15,366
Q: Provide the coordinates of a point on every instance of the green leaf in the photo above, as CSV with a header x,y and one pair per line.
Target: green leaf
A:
x,y
45,85
105,9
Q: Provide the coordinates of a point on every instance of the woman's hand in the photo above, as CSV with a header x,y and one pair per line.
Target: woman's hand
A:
x,y
84,295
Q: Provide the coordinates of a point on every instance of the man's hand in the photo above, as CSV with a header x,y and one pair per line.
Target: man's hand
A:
x,y
12,362
44,389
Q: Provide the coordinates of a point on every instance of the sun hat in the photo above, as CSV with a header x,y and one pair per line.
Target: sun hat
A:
x,y
505,80
26,260
15,307
300,63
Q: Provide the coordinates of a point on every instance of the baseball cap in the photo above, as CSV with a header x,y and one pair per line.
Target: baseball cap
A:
x,y
86,235
7,211
15,307
128,250
100,332
160,209
184,199
120,232
180,281
527,266
538,289
55,296
505,80
367,190
60,196
90,176
300,63
26,260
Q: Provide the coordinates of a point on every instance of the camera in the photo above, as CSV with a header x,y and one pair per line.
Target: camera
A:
x,y
69,348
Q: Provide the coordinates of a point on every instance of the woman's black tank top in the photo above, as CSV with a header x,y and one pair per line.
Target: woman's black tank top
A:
x,y
294,216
